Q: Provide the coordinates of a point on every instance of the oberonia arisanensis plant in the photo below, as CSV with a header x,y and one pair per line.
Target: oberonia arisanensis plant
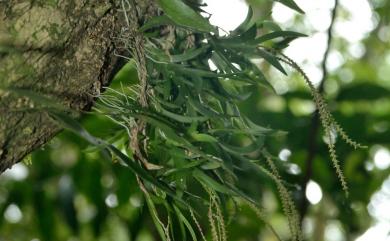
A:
x,y
182,133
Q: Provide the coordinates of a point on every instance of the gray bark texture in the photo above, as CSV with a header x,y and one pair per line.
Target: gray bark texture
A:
x,y
60,49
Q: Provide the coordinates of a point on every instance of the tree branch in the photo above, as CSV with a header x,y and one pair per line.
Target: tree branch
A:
x,y
63,52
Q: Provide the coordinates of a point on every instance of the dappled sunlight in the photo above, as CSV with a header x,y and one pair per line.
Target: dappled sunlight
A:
x,y
18,172
358,22
378,232
313,192
13,214
293,169
381,157
284,154
308,52
111,200
334,231
379,209
232,15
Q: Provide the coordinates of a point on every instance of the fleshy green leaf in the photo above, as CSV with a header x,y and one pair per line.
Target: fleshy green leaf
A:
x,y
185,16
201,137
159,56
183,219
277,34
270,25
181,118
246,24
210,182
155,217
271,59
291,4
243,150
155,22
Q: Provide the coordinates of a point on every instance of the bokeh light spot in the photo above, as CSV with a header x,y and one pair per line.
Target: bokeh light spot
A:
x,y
313,192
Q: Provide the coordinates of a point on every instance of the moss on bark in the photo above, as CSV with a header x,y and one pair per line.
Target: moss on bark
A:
x,y
60,49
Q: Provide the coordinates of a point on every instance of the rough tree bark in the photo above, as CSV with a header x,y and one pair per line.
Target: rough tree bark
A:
x,y
61,49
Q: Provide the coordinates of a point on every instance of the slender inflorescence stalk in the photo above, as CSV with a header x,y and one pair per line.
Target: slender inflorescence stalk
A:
x,y
215,216
288,205
328,122
260,214
197,224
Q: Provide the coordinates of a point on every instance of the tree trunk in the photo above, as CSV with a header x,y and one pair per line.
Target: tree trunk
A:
x,y
62,50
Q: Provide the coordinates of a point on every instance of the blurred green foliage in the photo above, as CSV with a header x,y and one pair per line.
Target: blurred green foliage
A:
x,y
69,191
